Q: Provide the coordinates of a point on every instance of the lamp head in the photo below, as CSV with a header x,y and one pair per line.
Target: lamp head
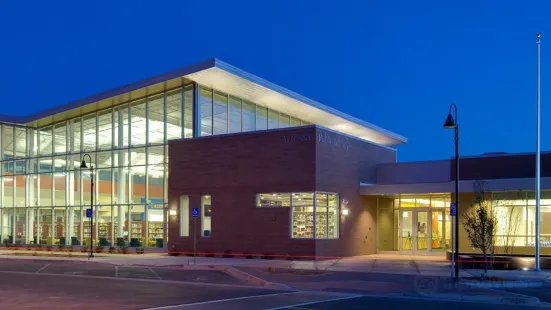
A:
x,y
450,122
83,164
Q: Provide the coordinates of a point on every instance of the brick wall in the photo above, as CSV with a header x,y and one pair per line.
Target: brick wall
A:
x,y
234,168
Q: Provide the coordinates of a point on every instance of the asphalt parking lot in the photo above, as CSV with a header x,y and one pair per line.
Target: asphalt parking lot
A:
x,y
50,291
108,270
29,284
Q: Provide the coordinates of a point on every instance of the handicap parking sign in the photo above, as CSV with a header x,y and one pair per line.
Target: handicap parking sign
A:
x,y
453,209
88,213
195,212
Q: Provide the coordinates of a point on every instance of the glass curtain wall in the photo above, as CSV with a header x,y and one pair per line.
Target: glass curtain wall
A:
x,y
516,214
220,113
44,193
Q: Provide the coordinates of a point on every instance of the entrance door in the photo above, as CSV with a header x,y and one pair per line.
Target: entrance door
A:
x,y
414,231
423,231
406,230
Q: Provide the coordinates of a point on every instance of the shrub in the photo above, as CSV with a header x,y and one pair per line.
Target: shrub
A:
x,y
121,242
112,249
140,250
83,249
28,248
99,249
123,250
49,248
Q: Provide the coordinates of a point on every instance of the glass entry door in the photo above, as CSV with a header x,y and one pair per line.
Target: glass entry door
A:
x,y
422,231
415,231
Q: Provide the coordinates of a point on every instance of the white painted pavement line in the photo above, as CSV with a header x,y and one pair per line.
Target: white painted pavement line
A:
x,y
42,268
219,301
116,271
155,273
316,302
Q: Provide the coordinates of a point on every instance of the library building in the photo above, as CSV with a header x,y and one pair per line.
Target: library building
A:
x,y
210,158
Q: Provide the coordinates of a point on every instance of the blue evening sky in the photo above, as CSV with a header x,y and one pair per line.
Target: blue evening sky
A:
x,y
396,64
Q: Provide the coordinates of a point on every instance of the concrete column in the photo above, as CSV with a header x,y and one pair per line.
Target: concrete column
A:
x,y
29,234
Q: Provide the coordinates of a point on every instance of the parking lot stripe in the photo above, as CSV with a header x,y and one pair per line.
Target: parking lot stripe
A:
x,y
155,273
42,268
116,271
316,302
218,301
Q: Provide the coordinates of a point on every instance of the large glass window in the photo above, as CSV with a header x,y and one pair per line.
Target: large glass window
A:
x,y
105,129
327,215
157,116
123,123
77,135
60,138
308,218
138,130
89,132
7,140
20,142
273,200
206,213
235,115
155,217
249,116
261,118
303,215
184,216
45,136
284,120
205,111
220,113
174,115
188,111
273,119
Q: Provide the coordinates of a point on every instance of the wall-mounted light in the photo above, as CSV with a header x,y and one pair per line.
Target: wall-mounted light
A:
x,y
345,212
172,212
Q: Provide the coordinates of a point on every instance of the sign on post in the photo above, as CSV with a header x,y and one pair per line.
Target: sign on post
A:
x,y
453,209
195,212
89,213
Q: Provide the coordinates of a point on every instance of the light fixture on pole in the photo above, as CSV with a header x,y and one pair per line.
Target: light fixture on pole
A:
x,y
84,166
538,158
452,123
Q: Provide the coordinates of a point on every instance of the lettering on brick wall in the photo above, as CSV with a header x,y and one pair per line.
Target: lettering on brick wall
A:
x,y
337,141
297,138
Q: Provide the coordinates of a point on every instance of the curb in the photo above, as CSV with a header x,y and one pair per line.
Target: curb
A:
x,y
508,300
505,284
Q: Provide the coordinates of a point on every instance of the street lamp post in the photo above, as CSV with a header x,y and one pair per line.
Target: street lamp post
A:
x,y
452,123
84,166
538,158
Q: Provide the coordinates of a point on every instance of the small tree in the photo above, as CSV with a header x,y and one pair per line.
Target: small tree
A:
x,y
480,224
